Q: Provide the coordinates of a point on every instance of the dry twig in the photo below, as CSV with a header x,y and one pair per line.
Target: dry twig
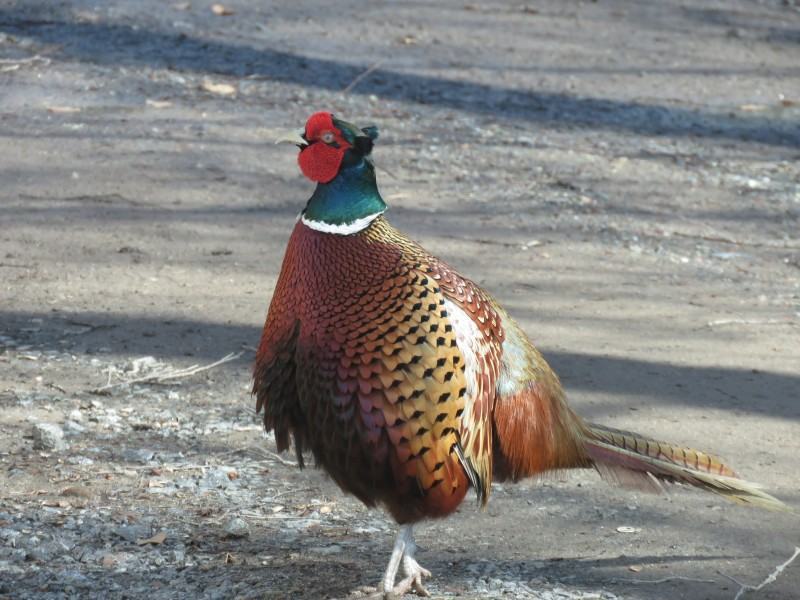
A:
x,y
744,588
165,374
663,580
362,76
277,457
719,322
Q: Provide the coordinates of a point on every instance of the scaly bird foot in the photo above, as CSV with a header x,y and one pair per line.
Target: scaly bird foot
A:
x,y
403,553
413,580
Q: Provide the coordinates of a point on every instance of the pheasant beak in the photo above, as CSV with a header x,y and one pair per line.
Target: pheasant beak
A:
x,y
293,137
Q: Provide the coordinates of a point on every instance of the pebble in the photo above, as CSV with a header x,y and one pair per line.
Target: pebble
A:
x,y
48,436
73,428
8,569
46,551
218,478
237,528
140,455
326,550
132,533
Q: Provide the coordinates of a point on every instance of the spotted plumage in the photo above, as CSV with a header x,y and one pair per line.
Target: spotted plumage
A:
x,y
409,383
372,380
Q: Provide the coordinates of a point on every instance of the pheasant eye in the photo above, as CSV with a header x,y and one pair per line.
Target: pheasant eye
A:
x,y
328,137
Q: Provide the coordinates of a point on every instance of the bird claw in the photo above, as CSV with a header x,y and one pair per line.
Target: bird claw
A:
x,y
413,580
403,554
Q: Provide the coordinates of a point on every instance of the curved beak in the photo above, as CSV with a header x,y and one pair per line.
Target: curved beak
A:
x,y
292,137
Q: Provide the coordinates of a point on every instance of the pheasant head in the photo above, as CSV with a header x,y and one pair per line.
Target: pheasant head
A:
x,y
335,155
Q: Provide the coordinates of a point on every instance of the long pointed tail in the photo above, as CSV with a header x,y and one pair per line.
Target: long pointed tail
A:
x,y
631,460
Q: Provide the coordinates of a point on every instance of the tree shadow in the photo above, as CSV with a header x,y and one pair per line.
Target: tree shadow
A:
x,y
731,20
115,44
746,391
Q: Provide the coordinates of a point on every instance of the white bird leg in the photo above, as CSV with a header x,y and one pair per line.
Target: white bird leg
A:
x,y
404,550
397,554
413,571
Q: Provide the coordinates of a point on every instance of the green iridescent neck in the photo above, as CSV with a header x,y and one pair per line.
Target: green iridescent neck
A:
x,y
351,195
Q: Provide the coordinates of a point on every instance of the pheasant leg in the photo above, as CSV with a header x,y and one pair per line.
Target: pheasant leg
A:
x,y
413,572
397,555
403,552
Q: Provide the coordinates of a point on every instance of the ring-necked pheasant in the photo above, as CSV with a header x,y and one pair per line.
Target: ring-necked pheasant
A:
x,y
408,382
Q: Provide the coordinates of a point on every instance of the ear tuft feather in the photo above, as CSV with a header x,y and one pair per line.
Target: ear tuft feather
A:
x,y
371,132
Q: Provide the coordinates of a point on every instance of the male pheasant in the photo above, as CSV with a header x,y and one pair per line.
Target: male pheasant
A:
x,y
408,382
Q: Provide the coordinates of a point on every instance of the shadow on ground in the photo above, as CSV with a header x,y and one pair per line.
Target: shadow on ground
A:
x,y
168,338
124,45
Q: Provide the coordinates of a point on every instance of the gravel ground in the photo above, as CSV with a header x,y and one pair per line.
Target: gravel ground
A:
x,y
623,176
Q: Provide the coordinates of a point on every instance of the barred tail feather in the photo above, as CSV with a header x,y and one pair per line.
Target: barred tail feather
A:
x,y
631,460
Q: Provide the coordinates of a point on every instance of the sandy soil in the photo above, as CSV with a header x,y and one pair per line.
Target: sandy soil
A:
x,y
622,176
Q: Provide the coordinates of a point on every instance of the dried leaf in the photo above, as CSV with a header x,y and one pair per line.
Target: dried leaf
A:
x,y
156,539
233,475
221,10
221,89
77,490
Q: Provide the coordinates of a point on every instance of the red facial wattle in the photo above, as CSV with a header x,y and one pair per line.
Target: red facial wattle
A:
x,y
320,161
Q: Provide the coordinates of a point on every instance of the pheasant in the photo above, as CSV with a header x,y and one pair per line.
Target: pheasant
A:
x,y
408,382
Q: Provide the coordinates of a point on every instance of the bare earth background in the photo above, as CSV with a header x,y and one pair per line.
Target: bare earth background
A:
x,y
622,175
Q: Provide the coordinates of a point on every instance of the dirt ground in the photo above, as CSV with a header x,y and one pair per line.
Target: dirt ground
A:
x,y
623,176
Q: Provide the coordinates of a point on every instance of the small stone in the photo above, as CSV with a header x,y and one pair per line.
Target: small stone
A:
x,y
140,455
47,436
179,556
75,578
8,569
46,552
237,528
73,428
17,554
218,478
9,536
325,550
131,533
